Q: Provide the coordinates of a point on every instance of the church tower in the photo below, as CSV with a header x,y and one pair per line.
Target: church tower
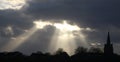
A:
x,y
108,48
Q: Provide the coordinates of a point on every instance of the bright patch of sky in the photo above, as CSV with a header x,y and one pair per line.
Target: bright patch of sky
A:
x,y
12,4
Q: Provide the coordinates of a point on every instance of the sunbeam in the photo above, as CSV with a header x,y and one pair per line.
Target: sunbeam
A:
x,y
64,36
16,42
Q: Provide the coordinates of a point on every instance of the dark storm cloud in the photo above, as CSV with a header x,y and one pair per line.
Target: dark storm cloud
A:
x,y
86,12
102,15
13,17
17,20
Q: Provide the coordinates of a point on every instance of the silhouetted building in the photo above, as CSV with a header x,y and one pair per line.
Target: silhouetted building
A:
x,y
108,48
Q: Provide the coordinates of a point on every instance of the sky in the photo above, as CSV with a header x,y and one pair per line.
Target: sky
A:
x,y
47,25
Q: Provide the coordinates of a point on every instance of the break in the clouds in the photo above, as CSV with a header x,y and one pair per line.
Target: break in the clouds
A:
x,y
12,4
96,17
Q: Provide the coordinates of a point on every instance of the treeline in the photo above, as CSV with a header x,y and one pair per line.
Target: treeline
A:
x,y
81,55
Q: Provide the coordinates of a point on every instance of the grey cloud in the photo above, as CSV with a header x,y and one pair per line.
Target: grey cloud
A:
x,y
90,12
13,17
97,14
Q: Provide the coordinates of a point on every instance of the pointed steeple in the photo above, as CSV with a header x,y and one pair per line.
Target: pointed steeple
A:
x,y
108,48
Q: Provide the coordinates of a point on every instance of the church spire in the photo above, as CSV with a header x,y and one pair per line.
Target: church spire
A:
x,y
108,48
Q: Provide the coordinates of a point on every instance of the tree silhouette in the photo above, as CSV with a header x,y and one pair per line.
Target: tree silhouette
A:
x,y
95,50
59,51
80,50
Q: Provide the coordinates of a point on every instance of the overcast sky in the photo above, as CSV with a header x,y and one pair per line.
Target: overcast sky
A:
x,y
17,17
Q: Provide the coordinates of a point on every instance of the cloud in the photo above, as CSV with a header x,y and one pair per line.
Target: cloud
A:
x,y
12,4
91,13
